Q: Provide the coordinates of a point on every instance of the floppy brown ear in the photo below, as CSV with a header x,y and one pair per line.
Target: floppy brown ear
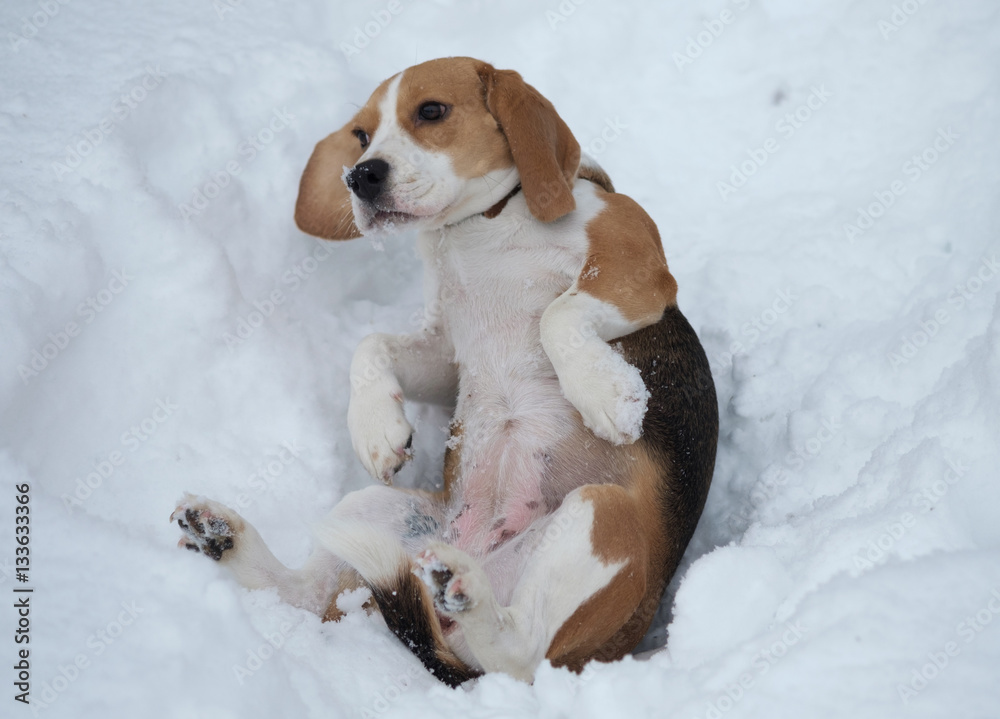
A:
x,y
545,152
323,208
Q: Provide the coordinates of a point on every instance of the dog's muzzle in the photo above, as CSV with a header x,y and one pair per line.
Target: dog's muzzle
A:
x,y
367,179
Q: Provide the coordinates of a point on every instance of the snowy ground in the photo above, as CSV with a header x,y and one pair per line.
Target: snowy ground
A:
x,y
846,291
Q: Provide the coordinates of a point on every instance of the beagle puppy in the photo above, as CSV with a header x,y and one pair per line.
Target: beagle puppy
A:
x,y
585,420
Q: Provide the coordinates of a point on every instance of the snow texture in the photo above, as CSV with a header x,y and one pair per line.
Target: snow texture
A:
x,y
825,179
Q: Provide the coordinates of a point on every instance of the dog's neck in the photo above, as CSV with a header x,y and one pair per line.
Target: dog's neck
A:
x,y
498,208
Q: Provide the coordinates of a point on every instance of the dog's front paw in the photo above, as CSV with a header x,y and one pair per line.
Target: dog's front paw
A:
x,y
455,580
610,396
209,527
380,433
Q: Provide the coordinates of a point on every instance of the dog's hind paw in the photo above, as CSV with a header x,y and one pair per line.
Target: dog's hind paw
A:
x,y
209,527
455,580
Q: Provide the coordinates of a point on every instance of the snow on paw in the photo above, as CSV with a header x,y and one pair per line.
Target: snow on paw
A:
x,y
610,396
455,580
209,527
380,433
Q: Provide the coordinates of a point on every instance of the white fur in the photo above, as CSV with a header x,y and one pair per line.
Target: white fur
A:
x,y
422,183
506,332
608,392
386,368
256,567
561,573
495,278
376,555
507,380
379,429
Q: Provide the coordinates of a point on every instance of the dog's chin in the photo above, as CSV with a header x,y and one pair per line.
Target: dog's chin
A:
x,y
373,221
388,221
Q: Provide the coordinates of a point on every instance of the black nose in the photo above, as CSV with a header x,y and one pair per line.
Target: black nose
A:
x,y
366,180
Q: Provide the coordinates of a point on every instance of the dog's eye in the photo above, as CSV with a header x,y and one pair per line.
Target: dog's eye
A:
x,y
432,111
362,137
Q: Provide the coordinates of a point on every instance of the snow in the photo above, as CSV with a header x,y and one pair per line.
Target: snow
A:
x,y
847,562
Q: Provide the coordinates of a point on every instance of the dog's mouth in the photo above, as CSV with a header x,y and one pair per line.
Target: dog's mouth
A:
x,y
387,219
381,219
370,219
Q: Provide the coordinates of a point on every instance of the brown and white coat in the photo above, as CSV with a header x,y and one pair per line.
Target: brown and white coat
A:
x,y
580,457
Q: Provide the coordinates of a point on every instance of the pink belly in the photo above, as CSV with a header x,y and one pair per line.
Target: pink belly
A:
x,y
499,497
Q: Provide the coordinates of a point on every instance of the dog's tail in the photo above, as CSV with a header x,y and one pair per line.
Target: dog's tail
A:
x,y
590,170
404,601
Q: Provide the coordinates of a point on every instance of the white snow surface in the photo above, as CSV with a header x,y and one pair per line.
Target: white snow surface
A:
x,y
847,562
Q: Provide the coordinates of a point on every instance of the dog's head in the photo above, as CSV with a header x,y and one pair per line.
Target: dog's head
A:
x,y
435,144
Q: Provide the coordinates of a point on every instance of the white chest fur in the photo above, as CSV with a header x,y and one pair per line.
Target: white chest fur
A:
x,y
493,279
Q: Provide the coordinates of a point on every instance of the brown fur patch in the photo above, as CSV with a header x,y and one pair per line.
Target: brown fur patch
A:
x,y
323,207
681,427
597,175
408,610
625,263
649,517
347,580
626,527
495,120
545,152
626,518
653,514
498,208
469,134
452,460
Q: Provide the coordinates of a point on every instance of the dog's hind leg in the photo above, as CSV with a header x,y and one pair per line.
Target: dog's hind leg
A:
x,y
222,534
368,538
574,596
378,530
387,524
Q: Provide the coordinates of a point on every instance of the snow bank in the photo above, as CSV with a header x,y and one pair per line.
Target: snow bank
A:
x,y
824,178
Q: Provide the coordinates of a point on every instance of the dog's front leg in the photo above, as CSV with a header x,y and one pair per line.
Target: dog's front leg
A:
x,y
607,391
385,370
